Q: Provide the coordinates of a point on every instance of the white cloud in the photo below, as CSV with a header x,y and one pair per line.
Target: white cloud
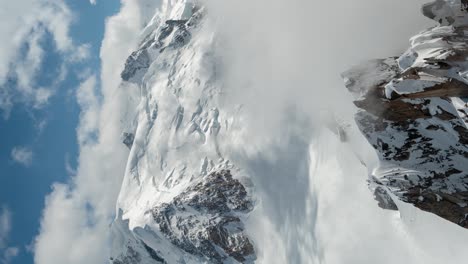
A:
x,y
80,53
93,2
42,96
5,226
40,125
68,167
75,222
67,235
22,155
7,253
25,25
90,105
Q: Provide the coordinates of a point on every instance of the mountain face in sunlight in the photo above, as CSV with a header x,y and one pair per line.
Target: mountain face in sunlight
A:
x,y
414,113
203,185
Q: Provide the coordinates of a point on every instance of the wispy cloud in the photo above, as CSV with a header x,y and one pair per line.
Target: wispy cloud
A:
x,y
71,171
22,155
26,24
5,225
75,222
89,102
7,253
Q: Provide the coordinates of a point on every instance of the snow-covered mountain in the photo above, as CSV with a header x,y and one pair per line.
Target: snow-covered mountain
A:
x,y
415,114
182,199
192,192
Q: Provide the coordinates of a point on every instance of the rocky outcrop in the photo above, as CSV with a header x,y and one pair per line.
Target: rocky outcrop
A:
x,y
414,113
174,34
205,220
203,224
132,256
446,12
127,139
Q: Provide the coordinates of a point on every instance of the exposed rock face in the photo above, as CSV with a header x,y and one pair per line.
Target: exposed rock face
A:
x,y
132,256
414,113
446,12
174,34
127,139
203,224
137,62
204,219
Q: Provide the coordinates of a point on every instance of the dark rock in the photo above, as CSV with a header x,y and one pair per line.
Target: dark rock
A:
x,y
181,37
127,139
130,257
384,200
421,136
137,61
154,255
205,219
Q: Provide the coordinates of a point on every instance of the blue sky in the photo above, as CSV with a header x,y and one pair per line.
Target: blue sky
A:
x,y
48,132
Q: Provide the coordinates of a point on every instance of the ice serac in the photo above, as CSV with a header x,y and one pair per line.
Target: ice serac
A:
x,y
182,199
413,110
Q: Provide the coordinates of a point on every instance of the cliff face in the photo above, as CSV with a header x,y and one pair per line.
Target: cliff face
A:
x,y
414,112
